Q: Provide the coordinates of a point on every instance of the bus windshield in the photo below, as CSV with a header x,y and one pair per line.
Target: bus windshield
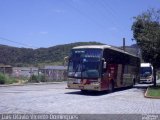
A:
x,y
145,71
85,63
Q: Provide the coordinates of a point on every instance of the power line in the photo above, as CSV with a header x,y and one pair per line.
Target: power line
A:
x,y
108,9
99,12
113,13
84,14
2,38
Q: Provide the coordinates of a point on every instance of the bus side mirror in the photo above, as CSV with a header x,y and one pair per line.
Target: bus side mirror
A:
x,y
66,60
104,65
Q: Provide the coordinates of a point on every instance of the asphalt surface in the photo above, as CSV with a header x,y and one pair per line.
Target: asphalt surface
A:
x,y
54,98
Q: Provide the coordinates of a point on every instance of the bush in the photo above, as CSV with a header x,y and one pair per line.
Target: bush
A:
x,y
34,79
11,80
41,78
5,79
2,78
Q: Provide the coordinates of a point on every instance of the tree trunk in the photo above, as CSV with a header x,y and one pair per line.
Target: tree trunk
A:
x,y
154,76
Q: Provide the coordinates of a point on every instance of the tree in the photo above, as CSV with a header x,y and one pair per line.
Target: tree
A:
x,y
146,31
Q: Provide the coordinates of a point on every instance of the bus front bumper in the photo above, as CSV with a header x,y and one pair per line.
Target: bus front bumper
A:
x,y
146,81
95,87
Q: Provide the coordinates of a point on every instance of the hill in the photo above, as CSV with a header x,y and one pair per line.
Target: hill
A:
x,y
38,57
133,49
25,56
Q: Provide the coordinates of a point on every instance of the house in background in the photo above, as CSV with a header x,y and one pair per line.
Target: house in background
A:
x,y
24,71
6,69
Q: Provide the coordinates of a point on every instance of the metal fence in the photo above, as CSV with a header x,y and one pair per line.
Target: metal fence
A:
x,y
47,73
53,74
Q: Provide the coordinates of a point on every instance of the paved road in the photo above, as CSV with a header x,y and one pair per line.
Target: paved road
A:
x,y
54,98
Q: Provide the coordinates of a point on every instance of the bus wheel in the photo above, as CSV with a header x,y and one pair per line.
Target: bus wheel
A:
x,y
111,87
134,81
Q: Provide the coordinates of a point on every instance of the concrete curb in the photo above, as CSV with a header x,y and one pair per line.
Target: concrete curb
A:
x,y
25,84
147,96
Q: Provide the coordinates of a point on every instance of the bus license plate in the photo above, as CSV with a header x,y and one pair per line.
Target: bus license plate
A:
x,y
78,80
81,87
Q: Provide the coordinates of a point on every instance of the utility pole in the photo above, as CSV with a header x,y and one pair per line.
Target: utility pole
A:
x,y
124,42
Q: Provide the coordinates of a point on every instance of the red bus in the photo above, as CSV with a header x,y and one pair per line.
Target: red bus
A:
x,y
101,67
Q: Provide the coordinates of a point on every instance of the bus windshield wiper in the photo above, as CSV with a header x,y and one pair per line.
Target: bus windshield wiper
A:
x,y
77,67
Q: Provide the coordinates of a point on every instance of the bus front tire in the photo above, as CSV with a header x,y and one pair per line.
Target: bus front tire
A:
x,y
111,87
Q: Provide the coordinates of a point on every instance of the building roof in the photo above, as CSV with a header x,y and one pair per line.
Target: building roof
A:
x,y
6,66
146,65
56,67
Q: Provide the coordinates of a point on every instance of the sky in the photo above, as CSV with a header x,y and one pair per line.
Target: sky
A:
x,y
46,23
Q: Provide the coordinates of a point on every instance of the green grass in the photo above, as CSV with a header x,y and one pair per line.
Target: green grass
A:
x,y
154,91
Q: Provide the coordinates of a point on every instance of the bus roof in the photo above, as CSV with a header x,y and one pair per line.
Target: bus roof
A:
x,y
146,65
103,47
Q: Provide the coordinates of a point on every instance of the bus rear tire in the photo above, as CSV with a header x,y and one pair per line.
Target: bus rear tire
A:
x,y
134,81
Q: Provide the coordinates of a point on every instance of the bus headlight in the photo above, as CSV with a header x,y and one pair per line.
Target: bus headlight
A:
x,y
95,83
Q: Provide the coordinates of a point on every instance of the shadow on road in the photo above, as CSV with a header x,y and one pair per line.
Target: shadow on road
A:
x,y
89,93
143,87
97,93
